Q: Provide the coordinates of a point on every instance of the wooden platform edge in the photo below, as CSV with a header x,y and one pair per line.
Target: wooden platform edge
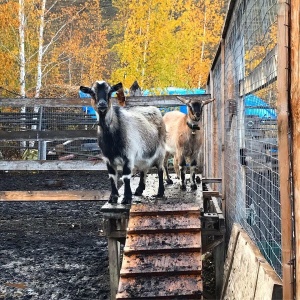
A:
x,y
57,195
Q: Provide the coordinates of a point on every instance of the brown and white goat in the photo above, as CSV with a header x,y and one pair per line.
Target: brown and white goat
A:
x,y
121,97
128,137
185,140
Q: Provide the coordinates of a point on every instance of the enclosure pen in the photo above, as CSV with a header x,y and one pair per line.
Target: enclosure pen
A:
x,y
250,80
247,198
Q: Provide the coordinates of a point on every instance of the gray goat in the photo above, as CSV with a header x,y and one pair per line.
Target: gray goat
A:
x,y
128,137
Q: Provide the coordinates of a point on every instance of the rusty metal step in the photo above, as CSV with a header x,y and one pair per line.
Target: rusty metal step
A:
x,y
161,264
188,221
161,287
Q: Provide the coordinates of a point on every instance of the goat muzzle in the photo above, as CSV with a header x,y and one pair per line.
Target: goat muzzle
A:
x,y
102,106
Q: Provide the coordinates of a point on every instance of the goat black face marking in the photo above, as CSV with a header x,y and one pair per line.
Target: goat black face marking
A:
x,y
195,109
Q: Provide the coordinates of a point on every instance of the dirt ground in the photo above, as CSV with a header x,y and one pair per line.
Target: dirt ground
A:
x,y
56,250
53,250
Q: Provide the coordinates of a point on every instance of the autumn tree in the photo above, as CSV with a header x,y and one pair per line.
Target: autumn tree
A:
x,y
50,44
168,42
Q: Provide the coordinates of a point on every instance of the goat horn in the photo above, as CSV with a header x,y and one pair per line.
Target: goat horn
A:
x,y
183,99
204,102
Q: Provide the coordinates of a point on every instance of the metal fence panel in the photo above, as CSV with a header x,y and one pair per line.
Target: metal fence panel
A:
x,y
250,123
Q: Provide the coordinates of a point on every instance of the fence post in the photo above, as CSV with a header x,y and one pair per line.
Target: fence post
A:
x,y
223,124
283,148
295,112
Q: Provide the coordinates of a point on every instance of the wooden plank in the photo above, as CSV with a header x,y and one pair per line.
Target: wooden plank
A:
x,y
243,275
167,223
161,100
146,209
114,265
284,147
161,287
158,264
48,165
159,242
223,124
211,180
208,194
235,232
53,195
295,113
38,135
242,270
115,208
219,256
269,286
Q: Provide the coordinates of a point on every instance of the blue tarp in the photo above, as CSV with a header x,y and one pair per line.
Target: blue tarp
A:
x,y
167,91
173,91
255,106
87,109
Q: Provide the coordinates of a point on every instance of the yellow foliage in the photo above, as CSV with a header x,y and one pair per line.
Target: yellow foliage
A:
x,y
167,43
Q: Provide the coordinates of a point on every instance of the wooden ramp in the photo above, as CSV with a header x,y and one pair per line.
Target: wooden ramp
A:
x,y
162,253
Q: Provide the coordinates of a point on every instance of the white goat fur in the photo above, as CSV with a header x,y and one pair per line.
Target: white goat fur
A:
x,y
128,137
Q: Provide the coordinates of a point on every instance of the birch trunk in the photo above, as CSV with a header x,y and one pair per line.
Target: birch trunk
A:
x,y
146,46
22,47
40,51
22,63
39,76
203,44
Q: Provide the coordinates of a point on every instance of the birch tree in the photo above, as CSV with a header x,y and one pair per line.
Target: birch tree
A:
x,y
22,49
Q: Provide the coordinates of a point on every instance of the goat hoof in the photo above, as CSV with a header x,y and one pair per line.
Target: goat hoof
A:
x,y
138,192
169,181
159,195
126,201
194,186
183,187
113,199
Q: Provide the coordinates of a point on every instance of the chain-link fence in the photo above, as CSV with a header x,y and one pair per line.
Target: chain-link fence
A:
x,y
243,80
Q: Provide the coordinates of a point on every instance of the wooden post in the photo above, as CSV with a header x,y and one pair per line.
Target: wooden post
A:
x,y
114,266
283,148
223,123
219,255
115,219
295,112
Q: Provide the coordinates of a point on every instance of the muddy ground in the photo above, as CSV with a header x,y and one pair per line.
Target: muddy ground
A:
x,y
56,250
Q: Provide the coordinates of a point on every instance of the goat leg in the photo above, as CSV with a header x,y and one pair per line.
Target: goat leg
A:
x,y
141,186
112,173
127,189
182,169
127,192
193,175
161,188
166,162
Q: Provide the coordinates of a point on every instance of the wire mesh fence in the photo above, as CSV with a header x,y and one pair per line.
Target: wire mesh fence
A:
x,y
251,131
19,123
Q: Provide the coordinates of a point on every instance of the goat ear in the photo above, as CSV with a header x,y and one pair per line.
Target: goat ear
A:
x,y
204,102
183,100
86,90
116,87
